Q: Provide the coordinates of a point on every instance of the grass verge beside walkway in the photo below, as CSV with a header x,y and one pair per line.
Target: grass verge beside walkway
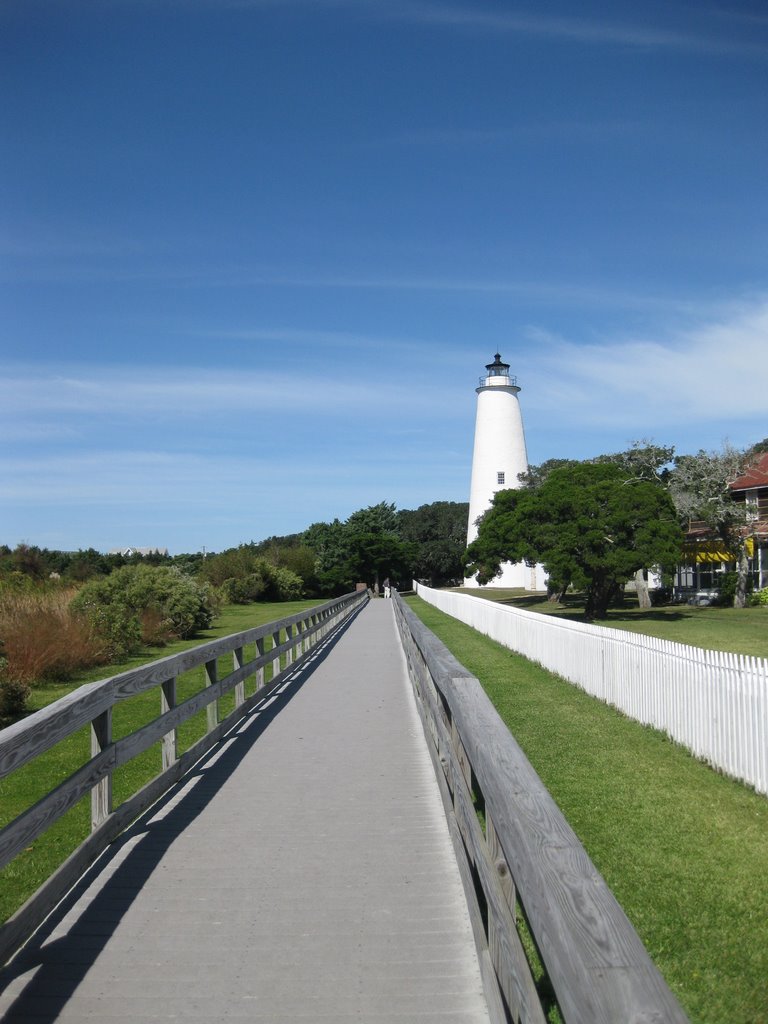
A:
x,y
684,849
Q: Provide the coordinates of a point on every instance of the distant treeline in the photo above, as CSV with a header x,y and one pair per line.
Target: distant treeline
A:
x,y
326,559
64,611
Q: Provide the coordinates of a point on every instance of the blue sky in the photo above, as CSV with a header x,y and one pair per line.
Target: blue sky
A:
x,y
254,255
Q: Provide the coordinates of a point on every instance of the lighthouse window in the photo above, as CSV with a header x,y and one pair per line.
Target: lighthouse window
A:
x,y
499,478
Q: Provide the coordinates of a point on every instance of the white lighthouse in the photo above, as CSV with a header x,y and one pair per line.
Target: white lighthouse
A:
x,y
499,456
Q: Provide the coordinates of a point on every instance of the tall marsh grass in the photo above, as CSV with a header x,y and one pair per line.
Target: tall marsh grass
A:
x,y
42,639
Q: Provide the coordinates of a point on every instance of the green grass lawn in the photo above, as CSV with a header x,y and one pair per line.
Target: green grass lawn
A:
x,y
20,790
684,849
741,630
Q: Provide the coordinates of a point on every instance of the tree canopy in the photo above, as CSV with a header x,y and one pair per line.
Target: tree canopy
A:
x,y
438,533
589,524
379,541
699,485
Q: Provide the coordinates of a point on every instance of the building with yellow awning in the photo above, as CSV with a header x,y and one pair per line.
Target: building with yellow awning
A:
x,y
706,558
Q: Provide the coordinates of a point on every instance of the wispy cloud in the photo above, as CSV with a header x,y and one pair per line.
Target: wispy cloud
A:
x,y
711,372
532,23
581,30
176,271
135,399
572,130
393,438
575,29
163,391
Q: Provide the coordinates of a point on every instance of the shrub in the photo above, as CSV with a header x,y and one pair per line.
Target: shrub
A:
x,y
245,589
156,630
13,696
244,576
266,582
726,589
760,597
177,601
285,585
116,626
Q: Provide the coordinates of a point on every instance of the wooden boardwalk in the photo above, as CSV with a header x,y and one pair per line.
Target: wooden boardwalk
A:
x,y
302,872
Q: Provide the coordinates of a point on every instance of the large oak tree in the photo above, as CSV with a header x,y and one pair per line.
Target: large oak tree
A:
x,y
590,524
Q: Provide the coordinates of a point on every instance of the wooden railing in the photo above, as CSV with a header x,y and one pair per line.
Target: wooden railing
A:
x,y
278,647
532,889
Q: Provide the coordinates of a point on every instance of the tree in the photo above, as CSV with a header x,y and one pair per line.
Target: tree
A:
x,y
366,548
381,518
644,461
29,560
536,475
85,564
329,542
438,533
588,523
375,548
699,485
375,557
244,576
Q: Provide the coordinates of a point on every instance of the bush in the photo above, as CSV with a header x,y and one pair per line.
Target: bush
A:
x,y
168,600
13,696
726,589
760,597
244,576
245,589
117,627
285,585
156,631
262,582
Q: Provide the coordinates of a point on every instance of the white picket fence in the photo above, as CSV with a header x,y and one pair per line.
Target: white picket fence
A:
x,y
712,702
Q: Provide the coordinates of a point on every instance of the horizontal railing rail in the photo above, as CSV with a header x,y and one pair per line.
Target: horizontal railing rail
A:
x,y
527,876
714,703
278,647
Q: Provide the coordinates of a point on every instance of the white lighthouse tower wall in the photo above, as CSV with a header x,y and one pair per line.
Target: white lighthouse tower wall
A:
x,y
499,448
499,456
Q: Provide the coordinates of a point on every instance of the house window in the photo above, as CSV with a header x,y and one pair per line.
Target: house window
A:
x,y
686,576
499,478
751,500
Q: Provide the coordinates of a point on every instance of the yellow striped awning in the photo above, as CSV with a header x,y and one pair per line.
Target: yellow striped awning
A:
x,y
714,551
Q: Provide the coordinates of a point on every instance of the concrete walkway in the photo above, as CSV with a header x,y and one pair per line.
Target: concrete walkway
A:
x,y
304,872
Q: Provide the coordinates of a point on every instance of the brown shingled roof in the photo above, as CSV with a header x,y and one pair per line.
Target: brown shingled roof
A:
x,y
755,476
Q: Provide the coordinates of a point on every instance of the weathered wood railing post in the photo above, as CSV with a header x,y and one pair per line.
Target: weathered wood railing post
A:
x,y
238,662
260,671
212,709
169,744
276,661
101,794
289,632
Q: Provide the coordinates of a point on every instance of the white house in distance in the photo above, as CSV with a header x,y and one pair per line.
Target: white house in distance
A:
x,y
498,458
127,552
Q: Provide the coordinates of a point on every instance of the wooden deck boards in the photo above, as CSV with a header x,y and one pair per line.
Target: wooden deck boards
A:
x,y
303,872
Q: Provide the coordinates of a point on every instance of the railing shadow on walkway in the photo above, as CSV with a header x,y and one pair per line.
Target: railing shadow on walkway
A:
x,y
60,966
